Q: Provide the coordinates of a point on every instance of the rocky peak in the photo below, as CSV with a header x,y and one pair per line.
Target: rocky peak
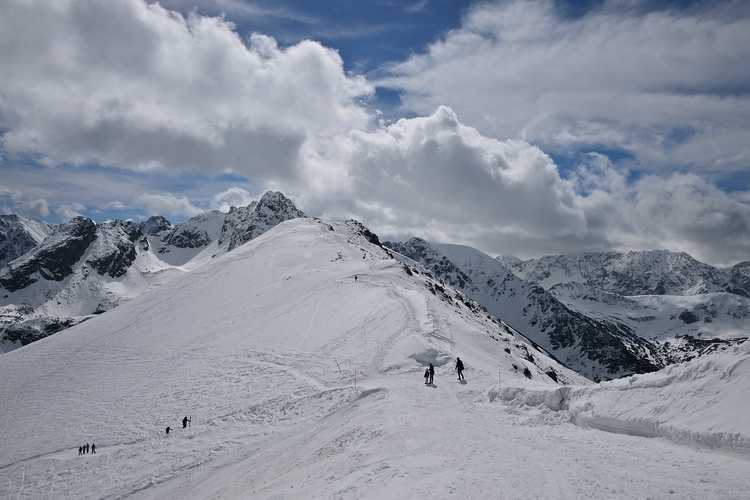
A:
x,y
155,224
18,235
54,258
245,223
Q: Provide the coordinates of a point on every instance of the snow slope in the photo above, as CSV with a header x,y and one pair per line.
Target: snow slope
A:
x,y
304,382
663,317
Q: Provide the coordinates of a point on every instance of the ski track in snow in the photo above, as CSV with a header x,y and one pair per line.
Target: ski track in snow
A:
x,y
276,415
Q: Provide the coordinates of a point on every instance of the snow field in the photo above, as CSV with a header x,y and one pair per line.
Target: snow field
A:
x,y
260,348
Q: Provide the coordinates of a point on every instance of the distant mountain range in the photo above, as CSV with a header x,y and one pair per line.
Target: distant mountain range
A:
x,y
56,276
658,272
605,315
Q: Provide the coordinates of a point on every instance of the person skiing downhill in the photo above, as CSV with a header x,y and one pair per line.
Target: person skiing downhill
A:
x,y
432,372
460,368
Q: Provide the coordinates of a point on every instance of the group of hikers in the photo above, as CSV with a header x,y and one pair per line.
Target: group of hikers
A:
x,y
185,422
429,372
429,375
85,448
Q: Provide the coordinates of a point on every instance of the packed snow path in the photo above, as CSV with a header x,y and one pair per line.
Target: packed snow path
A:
x,y
261,350
398,437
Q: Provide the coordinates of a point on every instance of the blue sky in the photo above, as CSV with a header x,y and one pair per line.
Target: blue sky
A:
x,y
523,127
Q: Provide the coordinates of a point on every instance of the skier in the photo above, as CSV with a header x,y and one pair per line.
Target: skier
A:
x,y
93,448
185,422
168,429
432,372
460,368
426,375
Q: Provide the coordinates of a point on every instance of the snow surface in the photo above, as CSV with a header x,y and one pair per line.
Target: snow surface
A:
x,y
658,317
303,382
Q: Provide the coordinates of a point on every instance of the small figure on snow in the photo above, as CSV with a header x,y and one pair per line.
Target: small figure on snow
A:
x,y
80,448
93,448
460,368
355,278
168,429
185,422
432,372
86,448
426,375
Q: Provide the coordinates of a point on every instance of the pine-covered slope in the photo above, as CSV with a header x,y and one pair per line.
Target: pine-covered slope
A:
x,y
82,268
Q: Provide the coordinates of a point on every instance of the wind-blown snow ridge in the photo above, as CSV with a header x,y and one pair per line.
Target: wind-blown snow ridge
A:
x,y
700,403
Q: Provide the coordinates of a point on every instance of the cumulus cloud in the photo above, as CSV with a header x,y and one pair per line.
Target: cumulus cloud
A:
x,y
232,197
166,204
67,212
442,180
132,84
14,201
668,86
35,208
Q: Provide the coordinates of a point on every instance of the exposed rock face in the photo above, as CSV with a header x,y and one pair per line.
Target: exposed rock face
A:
x,y
155,224
739,280
54,258
19,235
246,223
119,241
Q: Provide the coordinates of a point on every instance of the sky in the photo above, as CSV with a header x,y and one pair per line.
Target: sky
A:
x,y
517,127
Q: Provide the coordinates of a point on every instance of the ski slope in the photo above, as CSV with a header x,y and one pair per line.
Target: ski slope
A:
x,y
303,382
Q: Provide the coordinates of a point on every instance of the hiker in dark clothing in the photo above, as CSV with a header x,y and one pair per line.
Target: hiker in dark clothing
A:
x,y
93,448
168,429
185,422
460,368
80,448
426,376
86,448
432,372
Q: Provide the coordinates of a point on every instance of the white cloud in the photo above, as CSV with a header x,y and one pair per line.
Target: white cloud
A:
x,y
35,208
166,204
668,86
439,179
14,201
67,212
10,194
232,197
131,84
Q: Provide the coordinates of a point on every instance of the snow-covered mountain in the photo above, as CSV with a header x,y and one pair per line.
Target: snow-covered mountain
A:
x,y
81,268
18,235
658,272
680,327
592,345
299,356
